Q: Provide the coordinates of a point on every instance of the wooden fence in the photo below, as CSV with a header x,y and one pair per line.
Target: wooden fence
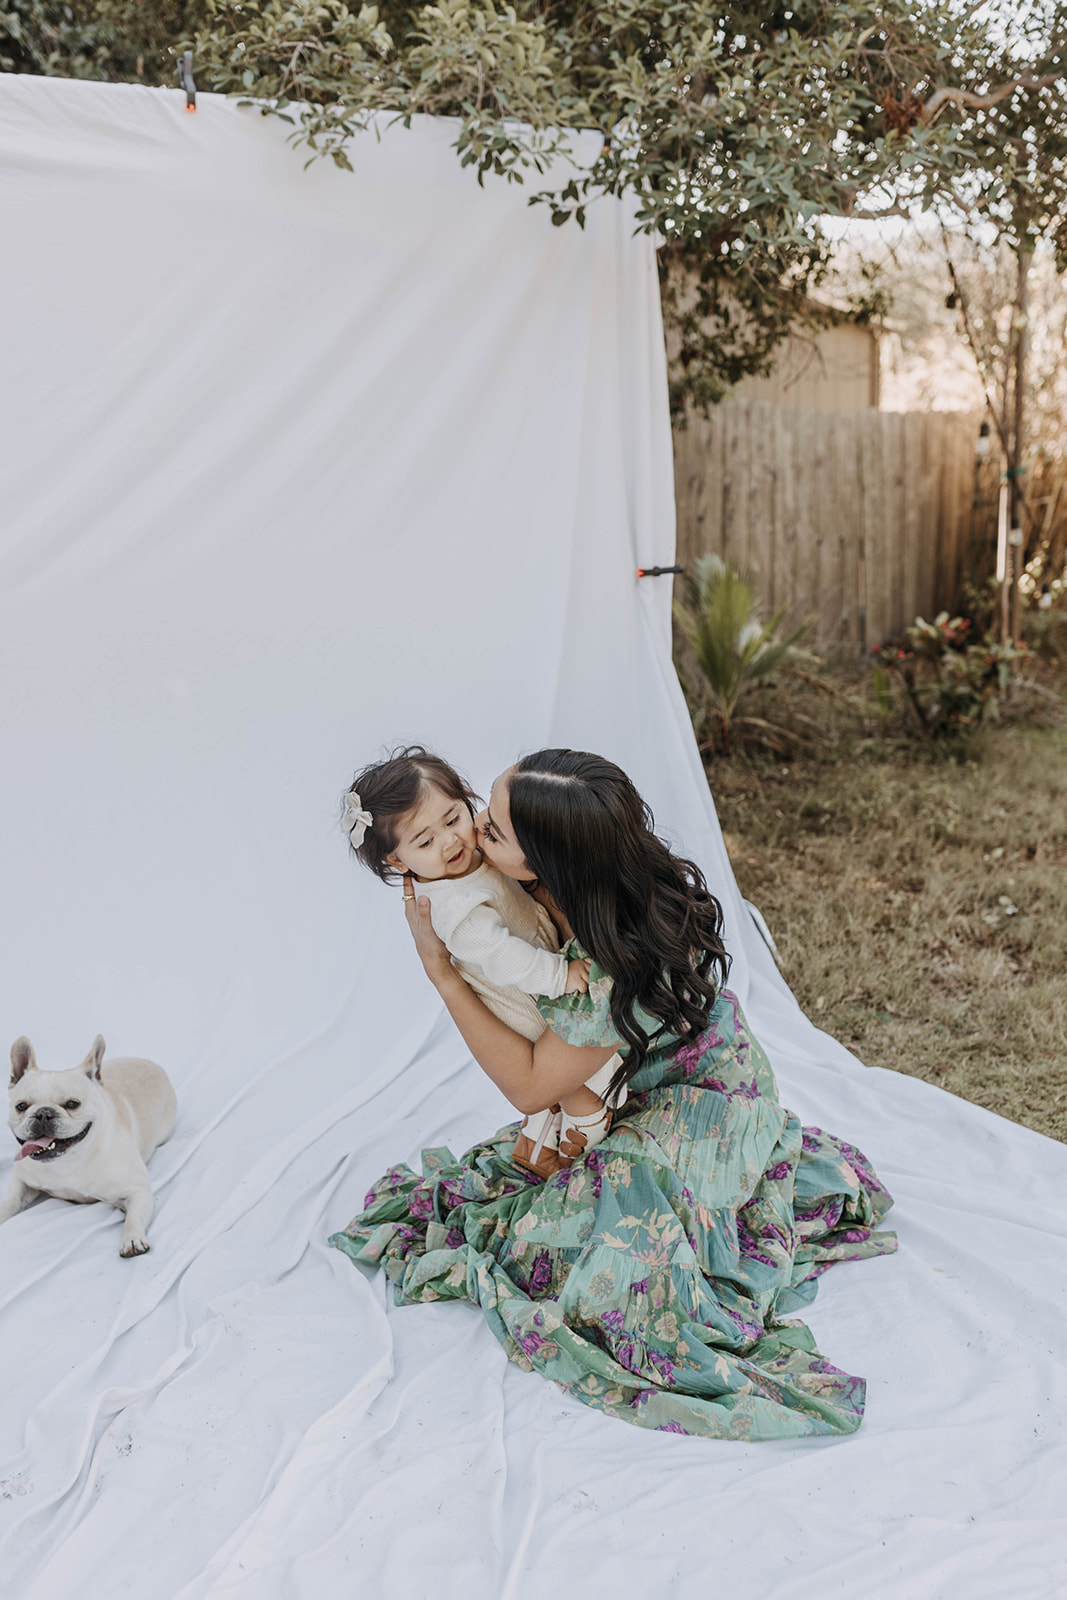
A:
x,y
857,520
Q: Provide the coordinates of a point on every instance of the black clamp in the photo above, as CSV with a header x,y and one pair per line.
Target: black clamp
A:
x,y
657,572
185,79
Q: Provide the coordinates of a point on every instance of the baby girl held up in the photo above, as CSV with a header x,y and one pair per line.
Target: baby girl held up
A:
x,y
412,817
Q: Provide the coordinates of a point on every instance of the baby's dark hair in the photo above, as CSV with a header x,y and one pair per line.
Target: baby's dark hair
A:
x,y
391,788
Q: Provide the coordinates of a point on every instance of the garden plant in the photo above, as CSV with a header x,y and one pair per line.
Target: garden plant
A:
x,y
737,659
951,683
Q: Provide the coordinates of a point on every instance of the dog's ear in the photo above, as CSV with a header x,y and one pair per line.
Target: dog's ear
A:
x,y
91,1064
22,1058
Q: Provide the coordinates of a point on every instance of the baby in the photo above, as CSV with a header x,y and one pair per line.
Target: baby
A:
x,y
413,815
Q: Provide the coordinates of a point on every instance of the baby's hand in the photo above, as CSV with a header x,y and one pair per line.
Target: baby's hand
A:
x,y
577,977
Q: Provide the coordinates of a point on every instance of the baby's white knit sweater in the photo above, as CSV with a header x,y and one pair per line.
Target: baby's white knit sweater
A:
x,y
502,941
505,944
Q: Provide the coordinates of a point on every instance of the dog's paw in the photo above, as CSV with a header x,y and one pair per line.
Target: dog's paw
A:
x,y
134,1247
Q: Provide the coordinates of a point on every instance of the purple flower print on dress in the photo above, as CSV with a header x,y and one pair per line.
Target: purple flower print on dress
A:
x,y
626,1356
455,1239
663,1365
688,1058
594,1165
672,1427
420,1204
541,1276
777,1173
863,1167
530,1342
642,1397
613,1320
747,1247
640,1287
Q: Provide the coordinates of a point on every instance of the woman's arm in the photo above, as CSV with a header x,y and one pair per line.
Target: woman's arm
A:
x,y
532,1076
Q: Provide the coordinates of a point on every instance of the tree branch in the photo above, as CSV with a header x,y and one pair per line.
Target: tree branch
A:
x,y
895,210
979,102
973,344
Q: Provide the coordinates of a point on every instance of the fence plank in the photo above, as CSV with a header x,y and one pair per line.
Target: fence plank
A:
x,y
917,514
805,574
908,491
736,424
895,547
830,532
876,565
785,533
958,455
760,519
945,479
969,463
956,578
850,532
713,500
694,474
937,468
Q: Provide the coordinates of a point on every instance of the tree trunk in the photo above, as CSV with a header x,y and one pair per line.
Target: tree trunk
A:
x,y
1019,351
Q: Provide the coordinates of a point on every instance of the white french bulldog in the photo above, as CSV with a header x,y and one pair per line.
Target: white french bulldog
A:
x,y
86,1134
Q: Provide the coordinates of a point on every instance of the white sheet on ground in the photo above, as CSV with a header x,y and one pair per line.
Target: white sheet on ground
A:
x,y
296,464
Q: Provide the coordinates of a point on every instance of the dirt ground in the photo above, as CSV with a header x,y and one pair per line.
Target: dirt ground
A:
x,y
919,905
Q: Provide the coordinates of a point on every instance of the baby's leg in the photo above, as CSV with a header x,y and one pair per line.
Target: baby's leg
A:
x,y
587,1112
537,1146
586,1119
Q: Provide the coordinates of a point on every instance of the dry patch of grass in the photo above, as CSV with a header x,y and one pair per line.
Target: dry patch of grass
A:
x,y
920,908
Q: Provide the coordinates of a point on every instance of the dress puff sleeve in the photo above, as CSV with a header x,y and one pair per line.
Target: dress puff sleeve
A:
x,y
583,1019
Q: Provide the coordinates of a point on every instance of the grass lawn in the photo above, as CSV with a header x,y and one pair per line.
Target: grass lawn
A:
x,y
919,906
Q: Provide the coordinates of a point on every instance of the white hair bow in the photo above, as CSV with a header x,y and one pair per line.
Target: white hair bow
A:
x,y
355,821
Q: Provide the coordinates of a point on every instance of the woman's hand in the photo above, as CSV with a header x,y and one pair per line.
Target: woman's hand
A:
x,y
431,950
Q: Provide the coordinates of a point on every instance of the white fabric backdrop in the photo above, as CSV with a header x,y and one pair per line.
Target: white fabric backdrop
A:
x,y
295,464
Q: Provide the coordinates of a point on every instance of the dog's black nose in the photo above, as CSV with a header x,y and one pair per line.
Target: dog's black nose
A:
x,y
43,1121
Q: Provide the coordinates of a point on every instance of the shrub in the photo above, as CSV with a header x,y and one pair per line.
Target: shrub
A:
x,y
950,684
735,657
1046,633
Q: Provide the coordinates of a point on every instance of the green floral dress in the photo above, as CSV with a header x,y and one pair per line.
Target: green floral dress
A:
x,y
651,1279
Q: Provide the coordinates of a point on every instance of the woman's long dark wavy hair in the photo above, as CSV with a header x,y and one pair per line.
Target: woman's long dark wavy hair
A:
x,y
644,915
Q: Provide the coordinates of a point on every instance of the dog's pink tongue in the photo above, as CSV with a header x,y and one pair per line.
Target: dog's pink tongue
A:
x,y
31,1145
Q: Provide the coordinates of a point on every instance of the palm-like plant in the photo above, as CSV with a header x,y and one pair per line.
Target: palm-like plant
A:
x,y
736,653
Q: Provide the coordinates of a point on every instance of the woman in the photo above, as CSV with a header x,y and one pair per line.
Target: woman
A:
x,y
649,1279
